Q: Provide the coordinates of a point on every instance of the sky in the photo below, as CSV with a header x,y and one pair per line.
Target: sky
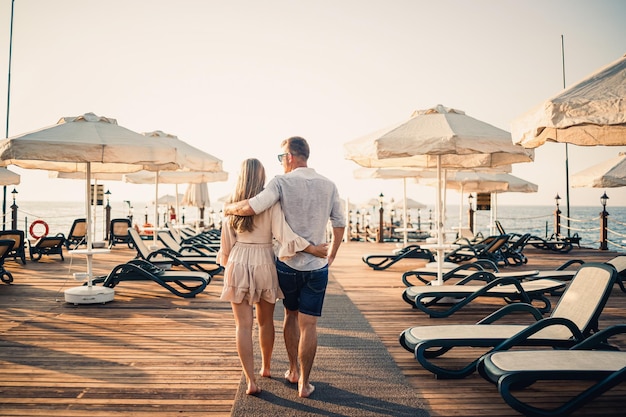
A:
x,y
235,78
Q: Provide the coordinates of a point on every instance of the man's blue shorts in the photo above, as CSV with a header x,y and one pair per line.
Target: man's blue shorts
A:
x,y
304,290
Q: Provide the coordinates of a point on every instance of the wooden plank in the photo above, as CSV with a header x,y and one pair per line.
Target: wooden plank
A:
x,y
151,354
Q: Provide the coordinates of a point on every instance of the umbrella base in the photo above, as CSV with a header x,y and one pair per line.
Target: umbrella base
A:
x,y
89,295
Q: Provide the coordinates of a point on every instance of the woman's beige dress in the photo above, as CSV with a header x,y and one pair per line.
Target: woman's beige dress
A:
x,y
249,259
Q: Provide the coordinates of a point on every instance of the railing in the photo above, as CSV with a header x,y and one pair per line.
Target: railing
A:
x,y
622,236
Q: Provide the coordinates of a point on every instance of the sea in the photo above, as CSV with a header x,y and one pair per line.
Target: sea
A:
x,y
537,220
59,216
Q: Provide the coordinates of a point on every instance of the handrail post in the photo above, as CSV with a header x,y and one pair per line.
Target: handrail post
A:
x,y
604,221
557,217
381,225
557,222
14,216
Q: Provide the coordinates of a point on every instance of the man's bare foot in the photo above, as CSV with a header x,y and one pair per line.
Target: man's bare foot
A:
x,y
265,373
304,391
292,377
253,389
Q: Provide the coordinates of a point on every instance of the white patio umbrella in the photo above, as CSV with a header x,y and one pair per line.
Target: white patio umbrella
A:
x,y
590,112
90,143
197,195
438,138
409,203
487,182
608,174
192,159
8,177
167,199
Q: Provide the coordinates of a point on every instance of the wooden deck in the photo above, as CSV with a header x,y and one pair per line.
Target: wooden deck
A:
x,y
150,353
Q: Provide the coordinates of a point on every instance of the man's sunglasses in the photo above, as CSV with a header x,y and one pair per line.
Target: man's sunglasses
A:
x,y
282,155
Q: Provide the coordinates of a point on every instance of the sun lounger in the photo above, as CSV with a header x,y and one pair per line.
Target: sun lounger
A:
x,y
514,370
77,235
19,246
195,249
166,256
380,262
186,284
427,274
6,246
118,232
574,318
513,252
431,298
47,245
564,274
490,248
555,243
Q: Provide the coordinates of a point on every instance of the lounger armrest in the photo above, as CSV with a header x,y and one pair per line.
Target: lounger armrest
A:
x,y
462,241
483,276
211,247
569,263
191,250
487,264
536,327
510,309
600,340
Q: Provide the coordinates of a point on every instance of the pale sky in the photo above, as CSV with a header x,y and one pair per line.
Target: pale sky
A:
x,y
234,78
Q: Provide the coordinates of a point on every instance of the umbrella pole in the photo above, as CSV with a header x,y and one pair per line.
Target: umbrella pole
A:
x,y
156,208
461,211
90,294
406,232
88,219
177,208
439,225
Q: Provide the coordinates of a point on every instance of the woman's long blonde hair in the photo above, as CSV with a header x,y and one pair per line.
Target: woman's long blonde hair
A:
x,y
250,182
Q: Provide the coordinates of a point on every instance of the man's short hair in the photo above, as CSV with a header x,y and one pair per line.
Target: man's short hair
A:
x,y
297,146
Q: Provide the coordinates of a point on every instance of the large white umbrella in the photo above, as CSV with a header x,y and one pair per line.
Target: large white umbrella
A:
x,y
192,159
608,174
438,138
89,143
197,195
487,182
8,177
590,112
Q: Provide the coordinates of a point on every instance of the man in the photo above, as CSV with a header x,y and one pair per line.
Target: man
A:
x,y
308,200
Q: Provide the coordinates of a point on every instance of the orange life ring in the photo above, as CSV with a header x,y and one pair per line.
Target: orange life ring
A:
x,y
31,230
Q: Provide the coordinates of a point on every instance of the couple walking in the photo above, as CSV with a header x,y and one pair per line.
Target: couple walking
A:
x,y
273,246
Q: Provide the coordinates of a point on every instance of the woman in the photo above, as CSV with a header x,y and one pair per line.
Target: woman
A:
x,y
250,276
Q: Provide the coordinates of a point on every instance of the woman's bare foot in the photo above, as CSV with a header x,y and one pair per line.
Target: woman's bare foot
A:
x,y
292,377
305,391
266,373
253,389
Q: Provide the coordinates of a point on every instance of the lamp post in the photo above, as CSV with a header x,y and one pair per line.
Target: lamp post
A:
x,y
603,223
14,210
380,224
107,214
470,215
419,219
557,216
